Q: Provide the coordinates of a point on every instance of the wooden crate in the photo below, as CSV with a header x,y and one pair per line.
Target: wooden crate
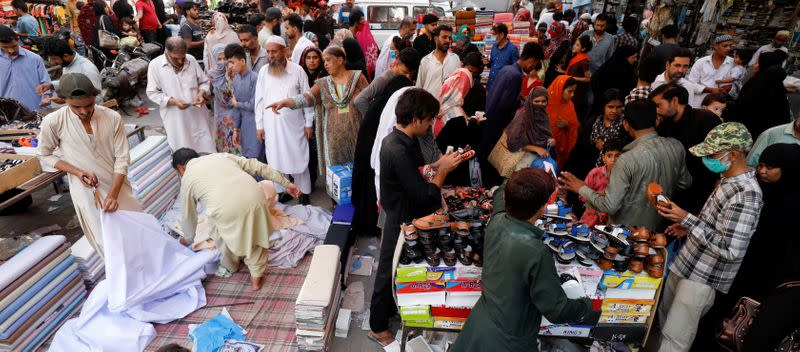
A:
x,y
19,174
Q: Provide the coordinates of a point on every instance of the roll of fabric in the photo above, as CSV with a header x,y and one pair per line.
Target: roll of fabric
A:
x,y
27,258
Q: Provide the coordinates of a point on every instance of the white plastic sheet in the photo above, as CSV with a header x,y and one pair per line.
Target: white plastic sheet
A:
x,y
151,278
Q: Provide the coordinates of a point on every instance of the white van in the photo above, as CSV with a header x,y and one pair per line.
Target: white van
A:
x,y
384,16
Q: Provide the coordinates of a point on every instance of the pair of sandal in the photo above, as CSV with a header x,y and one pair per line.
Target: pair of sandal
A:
x,y
386,341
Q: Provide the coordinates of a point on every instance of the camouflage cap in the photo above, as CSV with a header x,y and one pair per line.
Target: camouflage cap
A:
x,y
725,137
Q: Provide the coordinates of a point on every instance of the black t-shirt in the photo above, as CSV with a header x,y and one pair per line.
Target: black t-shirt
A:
x,y
194,31
405,194
690,131
424,45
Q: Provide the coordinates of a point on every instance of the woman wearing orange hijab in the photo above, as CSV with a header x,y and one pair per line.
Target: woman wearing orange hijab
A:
x,y
563,121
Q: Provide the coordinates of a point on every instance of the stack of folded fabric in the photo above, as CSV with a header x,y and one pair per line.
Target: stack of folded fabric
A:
x,y
40,288
483,24
155,183
89,262
521,27
504,17
465,17
318,302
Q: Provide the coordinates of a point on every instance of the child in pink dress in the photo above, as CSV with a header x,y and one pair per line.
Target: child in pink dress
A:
x,y
597,180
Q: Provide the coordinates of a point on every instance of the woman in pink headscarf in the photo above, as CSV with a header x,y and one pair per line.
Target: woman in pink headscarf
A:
x,y
524,15
360,28
453,127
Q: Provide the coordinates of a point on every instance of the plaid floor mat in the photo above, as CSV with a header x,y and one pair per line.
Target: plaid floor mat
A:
x,y
269,321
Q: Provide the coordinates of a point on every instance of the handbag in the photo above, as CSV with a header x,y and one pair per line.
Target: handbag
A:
x,y
106,39
503,159
735,328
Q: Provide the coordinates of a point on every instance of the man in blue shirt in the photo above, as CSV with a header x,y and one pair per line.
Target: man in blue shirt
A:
x,y
503,53
27,26
27,88
344,13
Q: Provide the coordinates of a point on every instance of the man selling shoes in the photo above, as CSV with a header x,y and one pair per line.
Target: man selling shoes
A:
x,y
235,206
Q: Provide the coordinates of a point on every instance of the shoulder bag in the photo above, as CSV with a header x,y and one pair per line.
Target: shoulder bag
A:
x,y
106,39
735,327
503,159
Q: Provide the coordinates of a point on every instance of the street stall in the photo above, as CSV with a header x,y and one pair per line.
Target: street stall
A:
x,y
437,271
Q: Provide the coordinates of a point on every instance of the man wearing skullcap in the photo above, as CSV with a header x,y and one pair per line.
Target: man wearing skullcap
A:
x,y
709,69
778,43
286,132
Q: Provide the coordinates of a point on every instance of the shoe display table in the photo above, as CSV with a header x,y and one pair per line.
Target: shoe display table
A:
x,y
439,298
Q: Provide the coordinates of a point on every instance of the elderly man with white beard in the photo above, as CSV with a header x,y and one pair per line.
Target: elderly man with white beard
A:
x,y
285,135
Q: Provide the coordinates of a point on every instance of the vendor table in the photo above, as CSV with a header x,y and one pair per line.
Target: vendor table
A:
x,y
606,332
46,178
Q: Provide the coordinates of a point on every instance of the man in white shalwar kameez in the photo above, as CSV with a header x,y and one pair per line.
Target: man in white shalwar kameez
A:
x,y
286,134
94,148
297,42
179,86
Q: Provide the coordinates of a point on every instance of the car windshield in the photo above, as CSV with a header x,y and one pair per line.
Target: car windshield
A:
x,y
385,16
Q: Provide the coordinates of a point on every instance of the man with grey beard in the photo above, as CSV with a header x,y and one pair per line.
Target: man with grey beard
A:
x,y
179,86
285,134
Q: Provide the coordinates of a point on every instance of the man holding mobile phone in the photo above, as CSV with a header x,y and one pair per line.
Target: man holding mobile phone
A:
x,y
649,158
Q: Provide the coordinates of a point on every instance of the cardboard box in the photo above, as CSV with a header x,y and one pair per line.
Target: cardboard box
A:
x,y
18,174
628,333
628,306
617,293
628,280
411,274
464,286
447,312
420,287
462,299
441,273
566,330
419,323
415,313
468,272
431,293
339,182
449,323
421,299
623,318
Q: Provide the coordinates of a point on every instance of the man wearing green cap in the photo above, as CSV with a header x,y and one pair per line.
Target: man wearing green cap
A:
x,y
93,152
716,239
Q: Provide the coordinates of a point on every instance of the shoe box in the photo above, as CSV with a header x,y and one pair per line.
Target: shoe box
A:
x,y
629,280
449,323
420,293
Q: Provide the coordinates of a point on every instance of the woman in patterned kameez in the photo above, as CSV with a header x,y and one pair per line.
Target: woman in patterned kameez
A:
x,y
224,113
337,119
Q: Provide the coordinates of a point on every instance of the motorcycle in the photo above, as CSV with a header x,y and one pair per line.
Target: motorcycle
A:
x,y
126,75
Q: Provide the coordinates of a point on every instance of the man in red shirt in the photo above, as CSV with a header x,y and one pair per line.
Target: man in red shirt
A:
x,y
148,21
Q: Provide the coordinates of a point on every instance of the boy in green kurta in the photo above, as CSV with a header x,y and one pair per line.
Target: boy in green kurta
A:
x,y
520,284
